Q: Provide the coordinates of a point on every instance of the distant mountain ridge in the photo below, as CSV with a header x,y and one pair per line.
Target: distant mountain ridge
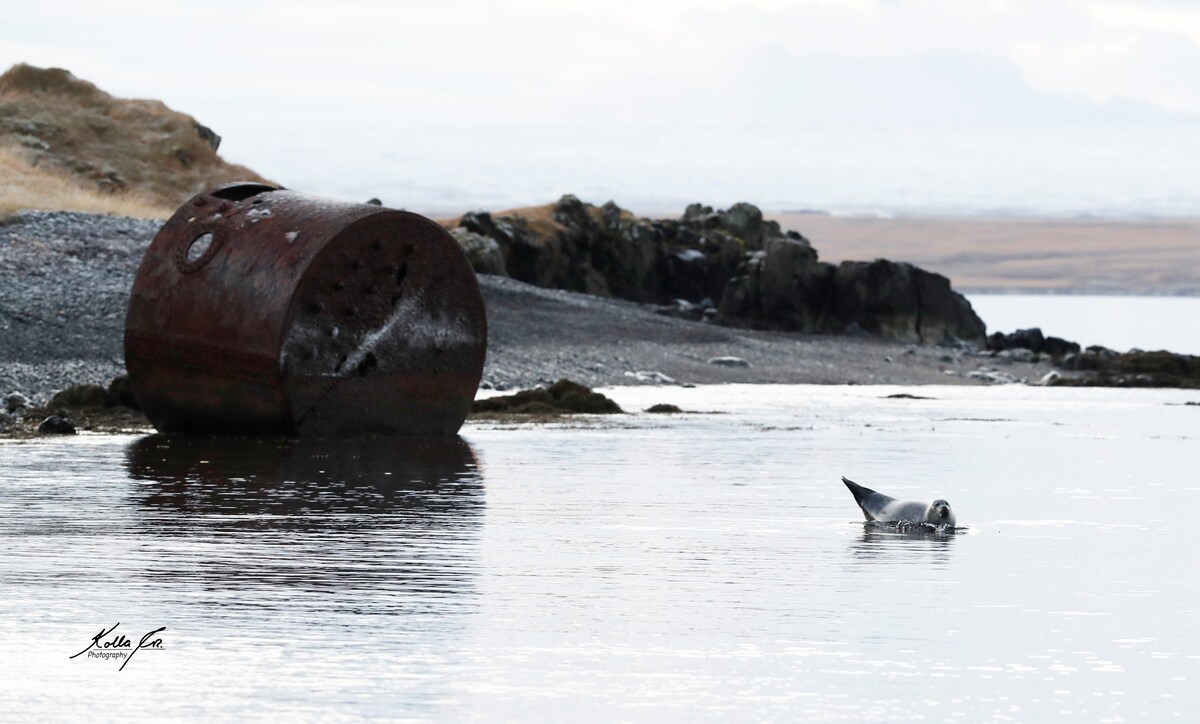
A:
x,y
927,89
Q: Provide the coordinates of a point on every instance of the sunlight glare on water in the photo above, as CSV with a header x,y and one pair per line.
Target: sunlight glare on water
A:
x,y
668,567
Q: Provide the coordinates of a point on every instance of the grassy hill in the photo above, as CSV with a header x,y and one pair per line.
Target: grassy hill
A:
x,y
67,145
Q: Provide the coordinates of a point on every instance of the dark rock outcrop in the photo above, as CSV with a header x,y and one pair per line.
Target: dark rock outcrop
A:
x,y
760,276
207,135
781,287
900,301
785,287
745,221
1032,340
483,252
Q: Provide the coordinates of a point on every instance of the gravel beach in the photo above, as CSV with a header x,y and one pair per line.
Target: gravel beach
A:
x,y
67,276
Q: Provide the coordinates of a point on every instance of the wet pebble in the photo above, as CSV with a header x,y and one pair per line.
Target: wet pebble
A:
x,y
729,362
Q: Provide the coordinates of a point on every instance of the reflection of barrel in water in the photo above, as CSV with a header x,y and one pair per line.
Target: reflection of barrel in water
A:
x,y
366,517
284,477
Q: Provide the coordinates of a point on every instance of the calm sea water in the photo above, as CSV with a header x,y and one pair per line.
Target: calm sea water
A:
x,y
1116,322
704,566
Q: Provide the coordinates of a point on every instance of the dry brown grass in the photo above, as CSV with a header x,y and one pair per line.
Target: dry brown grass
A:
x,y
1034,255
24,186
540,219
74,130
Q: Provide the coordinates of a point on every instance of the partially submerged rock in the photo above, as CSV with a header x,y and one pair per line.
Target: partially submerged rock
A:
x,y
1033,340
1101,367
562,398
663,408
80,407
57,425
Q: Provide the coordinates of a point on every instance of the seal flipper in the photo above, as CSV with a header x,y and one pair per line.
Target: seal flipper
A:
x,y
866,497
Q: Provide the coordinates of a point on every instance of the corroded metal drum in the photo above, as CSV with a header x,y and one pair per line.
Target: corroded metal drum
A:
x,y
261,310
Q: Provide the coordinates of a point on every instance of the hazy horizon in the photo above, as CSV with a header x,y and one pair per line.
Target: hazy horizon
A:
x,y
1007,107
956,172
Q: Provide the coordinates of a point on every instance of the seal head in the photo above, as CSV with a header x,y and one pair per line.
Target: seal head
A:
x,y
939,513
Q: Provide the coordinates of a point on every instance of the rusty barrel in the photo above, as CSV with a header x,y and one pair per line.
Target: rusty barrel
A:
x,y
258,310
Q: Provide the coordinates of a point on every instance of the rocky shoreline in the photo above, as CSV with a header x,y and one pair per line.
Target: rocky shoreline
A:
x,y
68,275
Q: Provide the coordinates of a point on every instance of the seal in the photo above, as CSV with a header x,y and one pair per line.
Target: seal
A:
x,y
886,509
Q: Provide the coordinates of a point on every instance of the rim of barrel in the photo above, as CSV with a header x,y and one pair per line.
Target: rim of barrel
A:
x,y
242,190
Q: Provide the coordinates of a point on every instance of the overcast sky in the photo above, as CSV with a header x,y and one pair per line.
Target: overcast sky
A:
x,y
741,65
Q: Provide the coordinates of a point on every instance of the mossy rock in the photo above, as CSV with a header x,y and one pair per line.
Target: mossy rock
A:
x,y
121,391
563,398
574,397
1166,368
1137,369
82,396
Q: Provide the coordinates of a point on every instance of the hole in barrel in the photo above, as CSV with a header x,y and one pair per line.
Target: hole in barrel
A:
x,y
199,246
241,192
368,363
